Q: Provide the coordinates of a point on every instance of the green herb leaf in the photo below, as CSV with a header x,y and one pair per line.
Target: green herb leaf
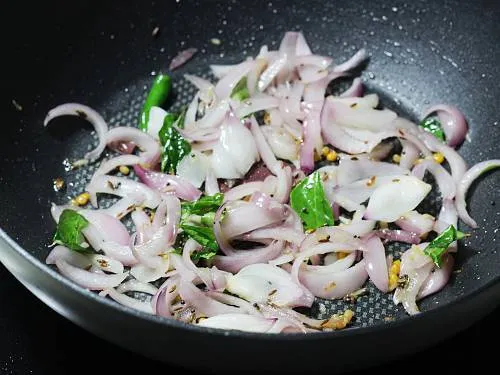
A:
x,y
203,205
203,235
69,231
240,91
175,147
205,253
440,244
158,94
433,126
197,220
308,199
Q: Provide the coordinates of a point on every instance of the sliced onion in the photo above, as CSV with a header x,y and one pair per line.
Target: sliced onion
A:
x,y
415,222
438,278
311,140
447,216
72,257
310,73
398,235
163,299
171,218
409,154
136,286
133,303
240,322
266,283
87,279
231,158
278,233
108,227
200,83
234,301
243,190
282,143
468,178
356,168
166,183
353,62
200,134
362,118
263,148
352,195
113,163
255,217
106,264
80,110
318,61
119,252
191,112
124,206
271,72
256,104
301,46
214,116
155,122
355,90
452,121
358,228
388,202
147,274
211,185
376,264
414,258
193,168
366,102
334,285
182,57
221,70
212,278
283,185
234,263
203,304
255,72
124,187
441,176
408,295
457,164
225,86
150,147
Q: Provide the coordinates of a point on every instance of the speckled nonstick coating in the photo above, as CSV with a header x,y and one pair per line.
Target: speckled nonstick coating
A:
x,y
421,53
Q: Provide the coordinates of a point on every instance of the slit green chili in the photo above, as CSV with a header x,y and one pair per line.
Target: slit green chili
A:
x,y
158,94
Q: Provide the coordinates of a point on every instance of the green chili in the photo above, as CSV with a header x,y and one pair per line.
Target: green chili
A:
x,y
156,97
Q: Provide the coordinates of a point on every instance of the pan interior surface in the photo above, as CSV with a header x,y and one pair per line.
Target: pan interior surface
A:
x,y
110,65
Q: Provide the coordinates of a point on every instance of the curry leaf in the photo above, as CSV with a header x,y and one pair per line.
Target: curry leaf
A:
x,y
203,235
440,244
240,91
205,253
204,205
174,146
309,201
433,126
69,231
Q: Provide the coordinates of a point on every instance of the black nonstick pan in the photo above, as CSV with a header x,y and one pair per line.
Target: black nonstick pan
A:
x,y
104,54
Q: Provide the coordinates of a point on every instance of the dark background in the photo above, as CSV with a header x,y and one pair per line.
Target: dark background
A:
x,y
36,340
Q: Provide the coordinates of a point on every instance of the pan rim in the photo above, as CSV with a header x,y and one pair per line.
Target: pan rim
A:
x,y
162,321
